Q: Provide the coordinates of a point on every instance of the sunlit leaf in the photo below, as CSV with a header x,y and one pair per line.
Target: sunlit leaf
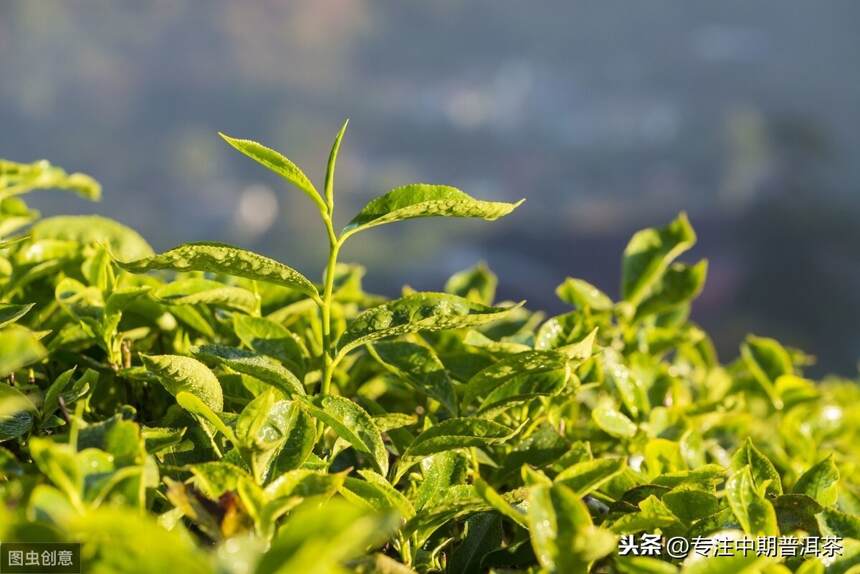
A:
x,y
221,258
425,200
415,313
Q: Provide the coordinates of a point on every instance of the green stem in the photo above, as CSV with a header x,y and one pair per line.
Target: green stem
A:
x,y
328,343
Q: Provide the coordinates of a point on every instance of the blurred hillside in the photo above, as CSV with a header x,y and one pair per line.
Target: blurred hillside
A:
x,y
607,116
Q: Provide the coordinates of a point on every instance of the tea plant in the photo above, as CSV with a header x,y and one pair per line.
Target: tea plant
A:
x,y
210,409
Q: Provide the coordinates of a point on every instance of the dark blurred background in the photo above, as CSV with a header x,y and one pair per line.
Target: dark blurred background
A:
x,y
607,116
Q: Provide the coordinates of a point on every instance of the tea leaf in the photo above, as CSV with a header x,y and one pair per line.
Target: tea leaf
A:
x,y
415,313
267,337
649,253
424,200
820,482
274,161
377,493
177,374
17,413
612,421
753,511
496,501
353,424
21,178
19,347
588,475
122,241
767,360
837,523
203,291
11,313
194,404
477,284
583,295
761,469
562,533
513,369
420,367
249,363
221,258
483,535
457,433
318,538
679,284
329,172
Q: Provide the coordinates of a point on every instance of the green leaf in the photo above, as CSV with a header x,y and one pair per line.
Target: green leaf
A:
x,y
267,337
14,214
11,313
19,347
329,171
193,404
420,367
649,253
319,538
837,523
583,295
216,478
299,443
52,395
20,178
766,360
497,501
513,370
221,258
304,483
377,493
540,448
562,533
352,424
476,284
204,291
680,284
288,491
652,514
753,511
263,428
249,363
440,472
457,433
177,374
627,383
690,504
613,421
122,241
393,421
796,512
584,477
425,200
820,481
415,313
523,389
761,469
483,534
279,164
118,539
17,413
663,456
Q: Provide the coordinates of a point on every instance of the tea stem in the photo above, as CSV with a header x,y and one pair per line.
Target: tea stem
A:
x,y
328,343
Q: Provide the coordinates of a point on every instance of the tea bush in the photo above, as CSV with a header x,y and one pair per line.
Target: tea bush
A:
x,y
209,409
